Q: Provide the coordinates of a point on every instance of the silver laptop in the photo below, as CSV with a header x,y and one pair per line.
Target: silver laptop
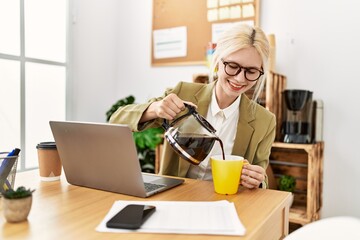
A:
x,y
103,156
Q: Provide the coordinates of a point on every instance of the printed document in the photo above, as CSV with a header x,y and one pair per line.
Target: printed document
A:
x,y
182,217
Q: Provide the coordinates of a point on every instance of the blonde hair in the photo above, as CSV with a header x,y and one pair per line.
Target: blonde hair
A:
x,y
238,37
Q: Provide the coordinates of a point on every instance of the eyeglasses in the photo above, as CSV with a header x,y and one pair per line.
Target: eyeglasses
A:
x,y
233,69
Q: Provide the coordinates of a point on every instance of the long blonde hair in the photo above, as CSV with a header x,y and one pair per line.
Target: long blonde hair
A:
x,y
238,37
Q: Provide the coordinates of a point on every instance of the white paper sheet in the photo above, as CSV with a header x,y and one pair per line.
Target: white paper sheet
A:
x,y
170,42
212,3
219,218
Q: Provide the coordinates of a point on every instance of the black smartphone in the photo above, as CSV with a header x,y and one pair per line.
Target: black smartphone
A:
x,y
131,216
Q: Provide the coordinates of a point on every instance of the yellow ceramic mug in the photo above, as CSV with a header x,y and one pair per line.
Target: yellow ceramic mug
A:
x,y
226,173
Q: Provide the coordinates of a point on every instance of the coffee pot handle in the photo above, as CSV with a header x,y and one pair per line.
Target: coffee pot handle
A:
x,y
166,124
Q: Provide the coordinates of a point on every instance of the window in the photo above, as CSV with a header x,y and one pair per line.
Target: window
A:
x,y
33,72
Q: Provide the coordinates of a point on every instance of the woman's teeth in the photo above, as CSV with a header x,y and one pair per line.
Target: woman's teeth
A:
x,y
234,86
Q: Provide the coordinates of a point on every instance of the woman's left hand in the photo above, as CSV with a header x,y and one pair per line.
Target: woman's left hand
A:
x,y
252,176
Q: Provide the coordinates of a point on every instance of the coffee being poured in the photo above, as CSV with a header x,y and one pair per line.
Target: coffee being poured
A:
x,y
191,136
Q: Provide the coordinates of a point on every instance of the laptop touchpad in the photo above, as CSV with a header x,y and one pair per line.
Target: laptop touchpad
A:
x,y
150,178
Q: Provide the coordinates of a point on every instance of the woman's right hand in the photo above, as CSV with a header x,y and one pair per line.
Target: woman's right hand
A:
x,y
170,106
166,108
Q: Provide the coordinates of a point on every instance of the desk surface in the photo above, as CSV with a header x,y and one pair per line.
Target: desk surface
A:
x,y
61,210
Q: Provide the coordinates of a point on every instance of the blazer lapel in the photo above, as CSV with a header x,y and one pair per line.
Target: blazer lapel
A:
x,y
203,98
244,130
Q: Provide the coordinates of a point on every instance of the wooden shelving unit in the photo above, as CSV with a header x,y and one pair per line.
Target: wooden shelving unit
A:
x,y
305,163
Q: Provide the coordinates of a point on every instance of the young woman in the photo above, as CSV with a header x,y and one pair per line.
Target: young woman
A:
x,y
245,128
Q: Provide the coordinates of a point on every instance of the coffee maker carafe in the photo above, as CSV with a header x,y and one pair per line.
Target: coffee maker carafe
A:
x,y
190,135
297,116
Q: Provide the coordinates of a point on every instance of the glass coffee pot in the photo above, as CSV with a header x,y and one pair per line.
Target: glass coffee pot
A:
x,y
190,135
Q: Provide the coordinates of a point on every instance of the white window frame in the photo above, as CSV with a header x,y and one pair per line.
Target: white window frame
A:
x,y
22,59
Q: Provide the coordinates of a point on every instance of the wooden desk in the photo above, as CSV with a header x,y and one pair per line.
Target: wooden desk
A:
x,y
63,211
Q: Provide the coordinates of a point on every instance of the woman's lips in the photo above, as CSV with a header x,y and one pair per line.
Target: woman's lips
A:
x,y
235,87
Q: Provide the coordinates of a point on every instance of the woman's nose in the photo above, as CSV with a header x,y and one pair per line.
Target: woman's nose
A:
x,y
240,77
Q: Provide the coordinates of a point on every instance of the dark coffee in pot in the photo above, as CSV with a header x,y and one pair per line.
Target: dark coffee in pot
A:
x,y
191,136
194,147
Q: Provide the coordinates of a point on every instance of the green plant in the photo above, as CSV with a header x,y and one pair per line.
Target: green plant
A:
x,y
145,141
20,192
287,183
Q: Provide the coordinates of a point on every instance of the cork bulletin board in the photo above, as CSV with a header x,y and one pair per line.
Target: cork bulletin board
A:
x,y
193,22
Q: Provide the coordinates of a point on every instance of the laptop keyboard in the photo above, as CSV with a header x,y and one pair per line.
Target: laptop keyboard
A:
x,y
149,187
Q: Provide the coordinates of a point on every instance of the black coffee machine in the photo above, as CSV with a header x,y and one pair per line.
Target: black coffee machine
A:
x,y
297,116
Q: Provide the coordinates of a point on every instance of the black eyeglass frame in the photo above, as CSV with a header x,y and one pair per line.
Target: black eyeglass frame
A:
x,y
240,69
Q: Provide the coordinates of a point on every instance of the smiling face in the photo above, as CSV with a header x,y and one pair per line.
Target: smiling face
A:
x,y
228,88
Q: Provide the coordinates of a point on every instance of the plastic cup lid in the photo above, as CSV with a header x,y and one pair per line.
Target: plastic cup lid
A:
x,y
46,145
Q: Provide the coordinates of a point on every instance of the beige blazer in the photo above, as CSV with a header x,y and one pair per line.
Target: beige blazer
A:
x,y
255,131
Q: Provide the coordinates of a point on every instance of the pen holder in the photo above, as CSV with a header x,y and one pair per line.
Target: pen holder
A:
x,y
8,165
